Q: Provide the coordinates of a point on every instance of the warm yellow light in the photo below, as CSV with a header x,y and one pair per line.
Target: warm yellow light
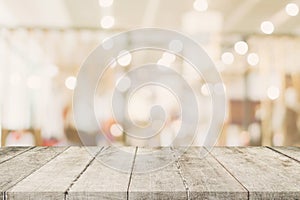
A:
x,y
107,22
292,9
205,89
70,82
273,92
253,59
124,58
241,47
116,130
169,57
267,27
200,5
227,58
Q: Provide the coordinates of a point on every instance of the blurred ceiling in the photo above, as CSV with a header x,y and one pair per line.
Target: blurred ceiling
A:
x,y
238,16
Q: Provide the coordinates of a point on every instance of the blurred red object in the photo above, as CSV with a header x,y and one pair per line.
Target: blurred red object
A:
x,y
50,142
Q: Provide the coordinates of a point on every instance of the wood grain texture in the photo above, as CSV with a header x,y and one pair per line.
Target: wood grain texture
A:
x,y
206,178
7,153
156,176
53,179
153,173
293,152
19,167
107,177
266,174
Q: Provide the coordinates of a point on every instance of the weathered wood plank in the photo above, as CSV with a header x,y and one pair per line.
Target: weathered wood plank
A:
x,y
103,178
206,178
47,173
156,176
19,167
53,179
293,152
266,174
7,153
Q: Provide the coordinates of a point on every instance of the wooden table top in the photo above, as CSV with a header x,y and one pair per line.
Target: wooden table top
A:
x,y
79,173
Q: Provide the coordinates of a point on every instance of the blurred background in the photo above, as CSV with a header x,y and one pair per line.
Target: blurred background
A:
x,y
255,45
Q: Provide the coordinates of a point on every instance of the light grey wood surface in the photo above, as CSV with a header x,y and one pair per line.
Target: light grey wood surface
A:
x,y
207,179
21,166
155,176
149,173
265,173
107,177
7,153
52,180
292,152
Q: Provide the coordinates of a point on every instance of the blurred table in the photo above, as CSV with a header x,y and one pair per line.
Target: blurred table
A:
x,y
139,173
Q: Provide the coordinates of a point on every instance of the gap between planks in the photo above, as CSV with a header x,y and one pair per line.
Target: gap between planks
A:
x,y
275,150
177,162
17,154
5,192
131,171
84,169
209,152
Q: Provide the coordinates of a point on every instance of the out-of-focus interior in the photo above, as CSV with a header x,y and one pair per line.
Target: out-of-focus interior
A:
x,y
255,45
